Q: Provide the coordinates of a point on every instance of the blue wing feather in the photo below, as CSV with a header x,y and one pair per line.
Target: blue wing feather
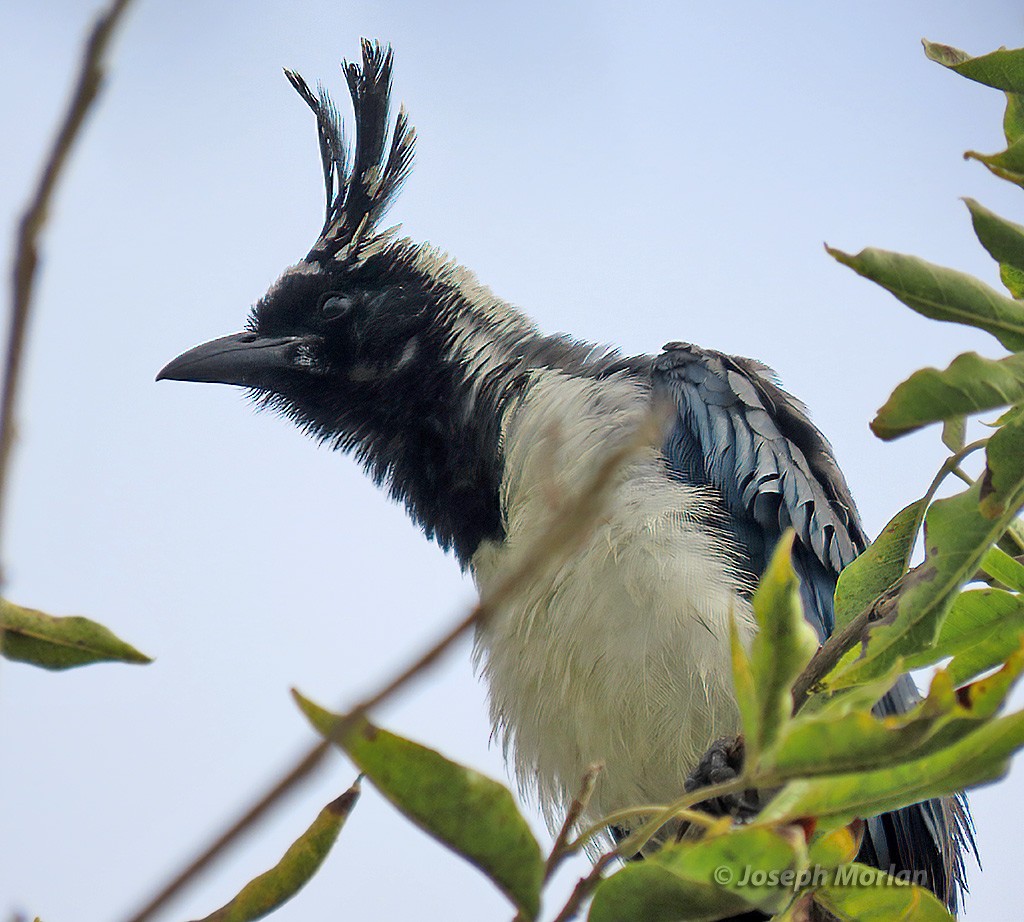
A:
x,y
737,431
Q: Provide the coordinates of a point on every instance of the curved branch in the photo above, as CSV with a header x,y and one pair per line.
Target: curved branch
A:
x,y
26,257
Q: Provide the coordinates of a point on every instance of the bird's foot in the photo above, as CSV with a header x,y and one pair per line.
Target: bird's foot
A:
x,y
723,762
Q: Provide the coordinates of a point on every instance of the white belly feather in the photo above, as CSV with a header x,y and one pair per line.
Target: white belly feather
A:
x,y
622,655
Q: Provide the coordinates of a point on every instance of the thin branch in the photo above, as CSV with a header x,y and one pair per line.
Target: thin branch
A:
x,y
883,607
563,847
633,843
681,808
675,812
584,887
303,768
26,258
570,525
836,647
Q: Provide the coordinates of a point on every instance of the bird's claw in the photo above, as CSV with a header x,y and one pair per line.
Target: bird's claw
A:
x,y
722,763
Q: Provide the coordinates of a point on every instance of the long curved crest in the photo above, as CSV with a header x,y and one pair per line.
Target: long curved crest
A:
x,y
361,180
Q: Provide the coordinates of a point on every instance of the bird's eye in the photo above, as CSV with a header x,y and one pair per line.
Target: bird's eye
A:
x,y
336,306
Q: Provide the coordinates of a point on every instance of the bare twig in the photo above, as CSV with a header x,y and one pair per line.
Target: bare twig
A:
x,y
636,840
572,523
562,847
26,259
681,809
836,647
302,769
675,812
884,607
584,887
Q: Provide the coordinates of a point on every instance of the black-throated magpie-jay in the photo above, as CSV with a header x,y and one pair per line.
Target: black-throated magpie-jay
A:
x,y
449,396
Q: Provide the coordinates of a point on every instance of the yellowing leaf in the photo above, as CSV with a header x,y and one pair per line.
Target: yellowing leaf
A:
x,y
982,629
471,814
978,758
265,893
30,636
859,893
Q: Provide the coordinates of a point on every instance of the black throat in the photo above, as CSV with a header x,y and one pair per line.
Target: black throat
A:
x,y
426,422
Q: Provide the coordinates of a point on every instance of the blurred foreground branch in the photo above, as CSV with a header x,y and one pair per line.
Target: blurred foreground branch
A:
x,y
26,258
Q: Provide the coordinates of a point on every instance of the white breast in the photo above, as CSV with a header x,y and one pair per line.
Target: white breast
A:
x,y
621,656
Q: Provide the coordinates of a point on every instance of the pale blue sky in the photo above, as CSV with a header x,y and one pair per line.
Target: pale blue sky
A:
x,y
634,177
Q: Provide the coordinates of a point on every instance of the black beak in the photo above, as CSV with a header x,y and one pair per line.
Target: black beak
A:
x,y
244,359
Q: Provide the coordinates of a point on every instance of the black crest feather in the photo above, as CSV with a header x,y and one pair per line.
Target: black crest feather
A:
x,y
359,183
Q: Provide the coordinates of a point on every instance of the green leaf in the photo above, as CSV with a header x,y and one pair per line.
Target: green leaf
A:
x,y
954,433
474,816
941,293
978,758
1004,240
983,628
782,647
30,636
835,848
1013,118
1013,279
1007,164
265,893
957,538
885,561
858,893
834,746
1001,70
716,877
1006,569
1002,484
860,697
743,684
857,741
971,384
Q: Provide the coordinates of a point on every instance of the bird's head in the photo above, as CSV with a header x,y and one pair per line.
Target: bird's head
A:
x,y
378,345
352,313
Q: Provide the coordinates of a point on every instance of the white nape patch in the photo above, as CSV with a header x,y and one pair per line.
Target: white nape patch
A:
x,y
479,319
620,656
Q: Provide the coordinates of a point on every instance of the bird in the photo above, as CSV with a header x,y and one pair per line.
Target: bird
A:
x,y
455,402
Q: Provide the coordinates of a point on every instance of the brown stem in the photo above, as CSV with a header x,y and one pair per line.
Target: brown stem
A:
x,y
584,887
563,847
289,780
833,650
26,258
